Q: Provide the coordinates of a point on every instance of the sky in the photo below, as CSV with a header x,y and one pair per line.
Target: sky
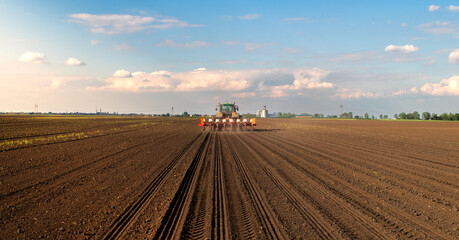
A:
x,y
380,57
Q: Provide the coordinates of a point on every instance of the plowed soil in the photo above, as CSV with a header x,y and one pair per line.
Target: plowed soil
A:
x,y
165,178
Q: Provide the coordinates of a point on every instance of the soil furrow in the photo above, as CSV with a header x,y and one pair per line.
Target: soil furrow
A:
x,y
121,223
172,223
414,226
266,216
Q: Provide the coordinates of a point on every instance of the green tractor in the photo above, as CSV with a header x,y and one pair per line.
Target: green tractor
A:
x,y
227,118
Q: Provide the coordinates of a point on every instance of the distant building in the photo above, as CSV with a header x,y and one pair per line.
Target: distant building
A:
x,y
263,113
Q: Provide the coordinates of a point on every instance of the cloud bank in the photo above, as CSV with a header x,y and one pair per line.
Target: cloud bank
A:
x,y
244,83
446,87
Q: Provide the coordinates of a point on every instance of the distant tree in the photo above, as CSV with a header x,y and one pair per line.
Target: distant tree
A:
x,y
357,117
380,116
386,117
409,116
185,114
367,116
289,115
434,116
444,116
426,115
346,115
279,114
402,115
249,115
416,115
318,115
450,116
456,117
396,116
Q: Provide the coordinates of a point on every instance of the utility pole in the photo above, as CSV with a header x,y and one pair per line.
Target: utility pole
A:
x,y
172,111
341,109
36,108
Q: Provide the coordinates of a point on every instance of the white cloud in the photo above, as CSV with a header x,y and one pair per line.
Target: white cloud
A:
x,y
408,48
33,57
310,79
453,8
454,56
404,25
118,24
250,16
94,42
122,74
433,8
244,94
172,43
444,87
354,94
438,28
122,47
74,62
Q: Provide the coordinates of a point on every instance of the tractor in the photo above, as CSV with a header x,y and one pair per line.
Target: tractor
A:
x,y
227,118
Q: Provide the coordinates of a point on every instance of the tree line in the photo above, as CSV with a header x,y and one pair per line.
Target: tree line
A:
x,y
414,116
428,116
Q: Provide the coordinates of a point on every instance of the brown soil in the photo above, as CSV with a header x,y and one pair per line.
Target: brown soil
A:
x,y
163,178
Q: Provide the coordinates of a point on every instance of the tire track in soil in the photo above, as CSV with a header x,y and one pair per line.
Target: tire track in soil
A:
x,y
207,217
240,214
265,215
128,217
415,227
198,219
173,222
220,225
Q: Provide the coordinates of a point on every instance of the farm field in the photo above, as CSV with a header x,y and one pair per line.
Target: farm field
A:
x,y
162,178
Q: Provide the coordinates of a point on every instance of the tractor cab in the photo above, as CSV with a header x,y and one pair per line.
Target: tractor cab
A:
x,y
227,110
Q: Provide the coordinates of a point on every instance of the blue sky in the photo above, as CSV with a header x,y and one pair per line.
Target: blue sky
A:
x,y
292,56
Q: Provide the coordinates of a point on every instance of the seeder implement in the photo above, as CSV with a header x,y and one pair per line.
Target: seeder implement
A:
x,y
228,124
